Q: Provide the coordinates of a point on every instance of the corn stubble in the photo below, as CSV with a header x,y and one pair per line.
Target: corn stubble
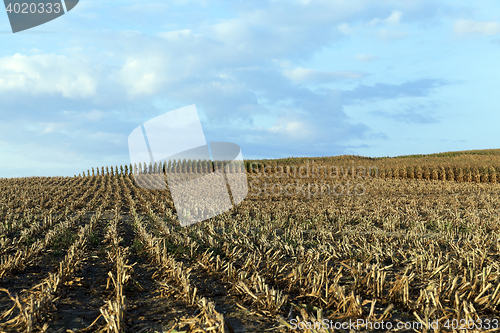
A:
x,y
420,245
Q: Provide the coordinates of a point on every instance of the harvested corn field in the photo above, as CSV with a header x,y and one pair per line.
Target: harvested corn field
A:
x,y
98,253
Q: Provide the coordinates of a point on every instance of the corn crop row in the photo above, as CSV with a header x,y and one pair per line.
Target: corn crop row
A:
x,y
23,257
42,295
114,310
177,274
8,244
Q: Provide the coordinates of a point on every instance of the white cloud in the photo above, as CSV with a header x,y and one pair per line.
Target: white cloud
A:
x,y
393,19
49,128
232,31
300,74
47,74
346,29
142,76
476,27
293,130
387,27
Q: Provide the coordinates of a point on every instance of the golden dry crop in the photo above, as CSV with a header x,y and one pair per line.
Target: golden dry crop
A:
x,y
408,240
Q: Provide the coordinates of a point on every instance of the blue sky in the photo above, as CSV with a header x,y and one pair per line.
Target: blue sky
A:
x,y
278,78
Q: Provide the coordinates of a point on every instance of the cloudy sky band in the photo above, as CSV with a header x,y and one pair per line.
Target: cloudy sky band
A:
x,y
279,78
